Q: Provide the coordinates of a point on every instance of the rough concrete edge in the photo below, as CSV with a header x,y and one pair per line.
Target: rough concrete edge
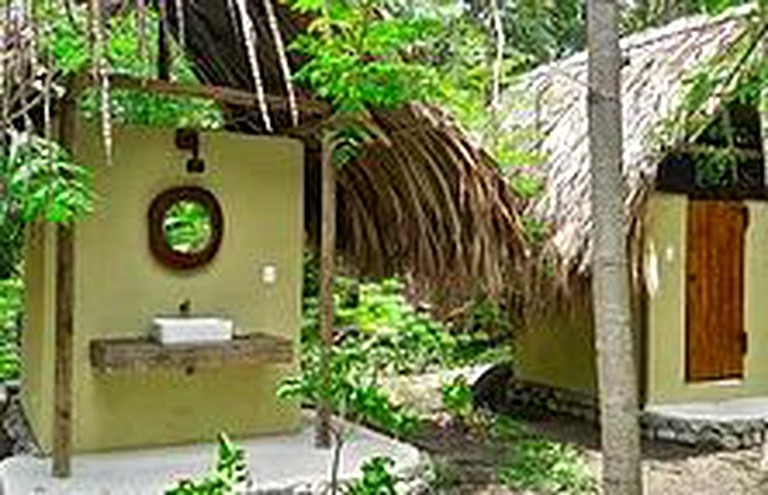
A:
x,y
414,480
698,432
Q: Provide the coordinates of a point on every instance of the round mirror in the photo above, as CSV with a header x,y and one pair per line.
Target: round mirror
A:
x,y
188,227
185,227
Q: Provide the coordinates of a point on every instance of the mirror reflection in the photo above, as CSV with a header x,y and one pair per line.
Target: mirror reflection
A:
x,y
188,227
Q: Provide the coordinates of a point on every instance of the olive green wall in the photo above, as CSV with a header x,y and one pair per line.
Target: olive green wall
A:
x,y
120,288
559,351
665,275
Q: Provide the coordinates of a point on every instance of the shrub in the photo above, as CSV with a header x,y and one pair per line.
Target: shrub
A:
x,y
11,308
229,478
377,478
548,467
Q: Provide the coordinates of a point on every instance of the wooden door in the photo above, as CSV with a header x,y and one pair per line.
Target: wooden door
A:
x,y
715,337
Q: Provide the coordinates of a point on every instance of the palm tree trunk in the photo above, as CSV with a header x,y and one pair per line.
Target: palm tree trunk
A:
x,y
617,375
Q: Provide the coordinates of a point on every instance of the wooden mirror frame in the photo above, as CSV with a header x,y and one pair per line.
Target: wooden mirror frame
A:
x,y
158,244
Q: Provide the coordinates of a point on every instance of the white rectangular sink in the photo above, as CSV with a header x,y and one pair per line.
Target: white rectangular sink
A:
x,y
191,330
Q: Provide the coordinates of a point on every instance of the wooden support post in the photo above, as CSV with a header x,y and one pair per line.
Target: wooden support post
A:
x,y
327,244
163,49
65,266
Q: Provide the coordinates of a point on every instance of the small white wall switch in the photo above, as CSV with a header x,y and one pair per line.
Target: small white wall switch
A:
x,y
269,274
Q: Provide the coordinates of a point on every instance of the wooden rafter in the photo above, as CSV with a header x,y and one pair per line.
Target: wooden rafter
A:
x,y
222,94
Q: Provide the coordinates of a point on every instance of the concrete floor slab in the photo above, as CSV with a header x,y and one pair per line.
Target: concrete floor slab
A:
x,y
276,462
746,409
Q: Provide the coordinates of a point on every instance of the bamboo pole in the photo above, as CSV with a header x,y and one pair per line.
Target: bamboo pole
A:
x,y
64,312
327,244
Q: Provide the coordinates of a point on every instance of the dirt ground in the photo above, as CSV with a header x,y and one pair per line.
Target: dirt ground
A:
x,y
469,465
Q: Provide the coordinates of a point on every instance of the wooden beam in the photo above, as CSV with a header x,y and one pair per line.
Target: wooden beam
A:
x,y
327,245
62,422
64,308
221,94
139,355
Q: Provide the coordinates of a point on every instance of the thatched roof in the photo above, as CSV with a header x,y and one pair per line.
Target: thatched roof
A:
x,y
426,203
552,100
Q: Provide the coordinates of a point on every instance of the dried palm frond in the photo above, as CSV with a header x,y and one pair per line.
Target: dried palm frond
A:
x,y
250,40
283,59
419,200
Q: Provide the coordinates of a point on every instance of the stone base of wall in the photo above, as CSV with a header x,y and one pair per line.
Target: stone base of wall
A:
x,y
720,434
528,398
533,398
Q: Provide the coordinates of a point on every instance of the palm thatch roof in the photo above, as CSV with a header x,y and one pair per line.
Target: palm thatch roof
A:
x,y
424,202
550,103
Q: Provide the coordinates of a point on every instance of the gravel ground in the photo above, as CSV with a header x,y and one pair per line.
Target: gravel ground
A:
x,y
467,465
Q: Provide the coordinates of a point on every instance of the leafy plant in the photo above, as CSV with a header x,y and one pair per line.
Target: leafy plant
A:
x,y
458,399
355,390
41,182
377,478
11,308
68,45
361,58
229,478
507,430
548,467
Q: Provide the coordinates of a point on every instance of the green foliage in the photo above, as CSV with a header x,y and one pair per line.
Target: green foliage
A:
x,y
187,226
354,388
506,429
40,182
657,12
11,309
542,30
740,73
360,58
11,243
379,334
69,46
377,478
458,400
229,478
547,467
737,76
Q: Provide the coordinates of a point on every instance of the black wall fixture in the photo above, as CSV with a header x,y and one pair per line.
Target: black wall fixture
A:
x,y
189,140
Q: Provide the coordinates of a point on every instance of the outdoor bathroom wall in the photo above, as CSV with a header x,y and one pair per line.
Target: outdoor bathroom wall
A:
x,y
559,351
665,259
120,287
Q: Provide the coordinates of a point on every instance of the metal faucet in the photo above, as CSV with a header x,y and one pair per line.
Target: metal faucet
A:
x,y
185,308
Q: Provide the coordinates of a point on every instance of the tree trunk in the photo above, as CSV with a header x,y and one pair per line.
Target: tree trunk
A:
x,y
617,375
327,245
